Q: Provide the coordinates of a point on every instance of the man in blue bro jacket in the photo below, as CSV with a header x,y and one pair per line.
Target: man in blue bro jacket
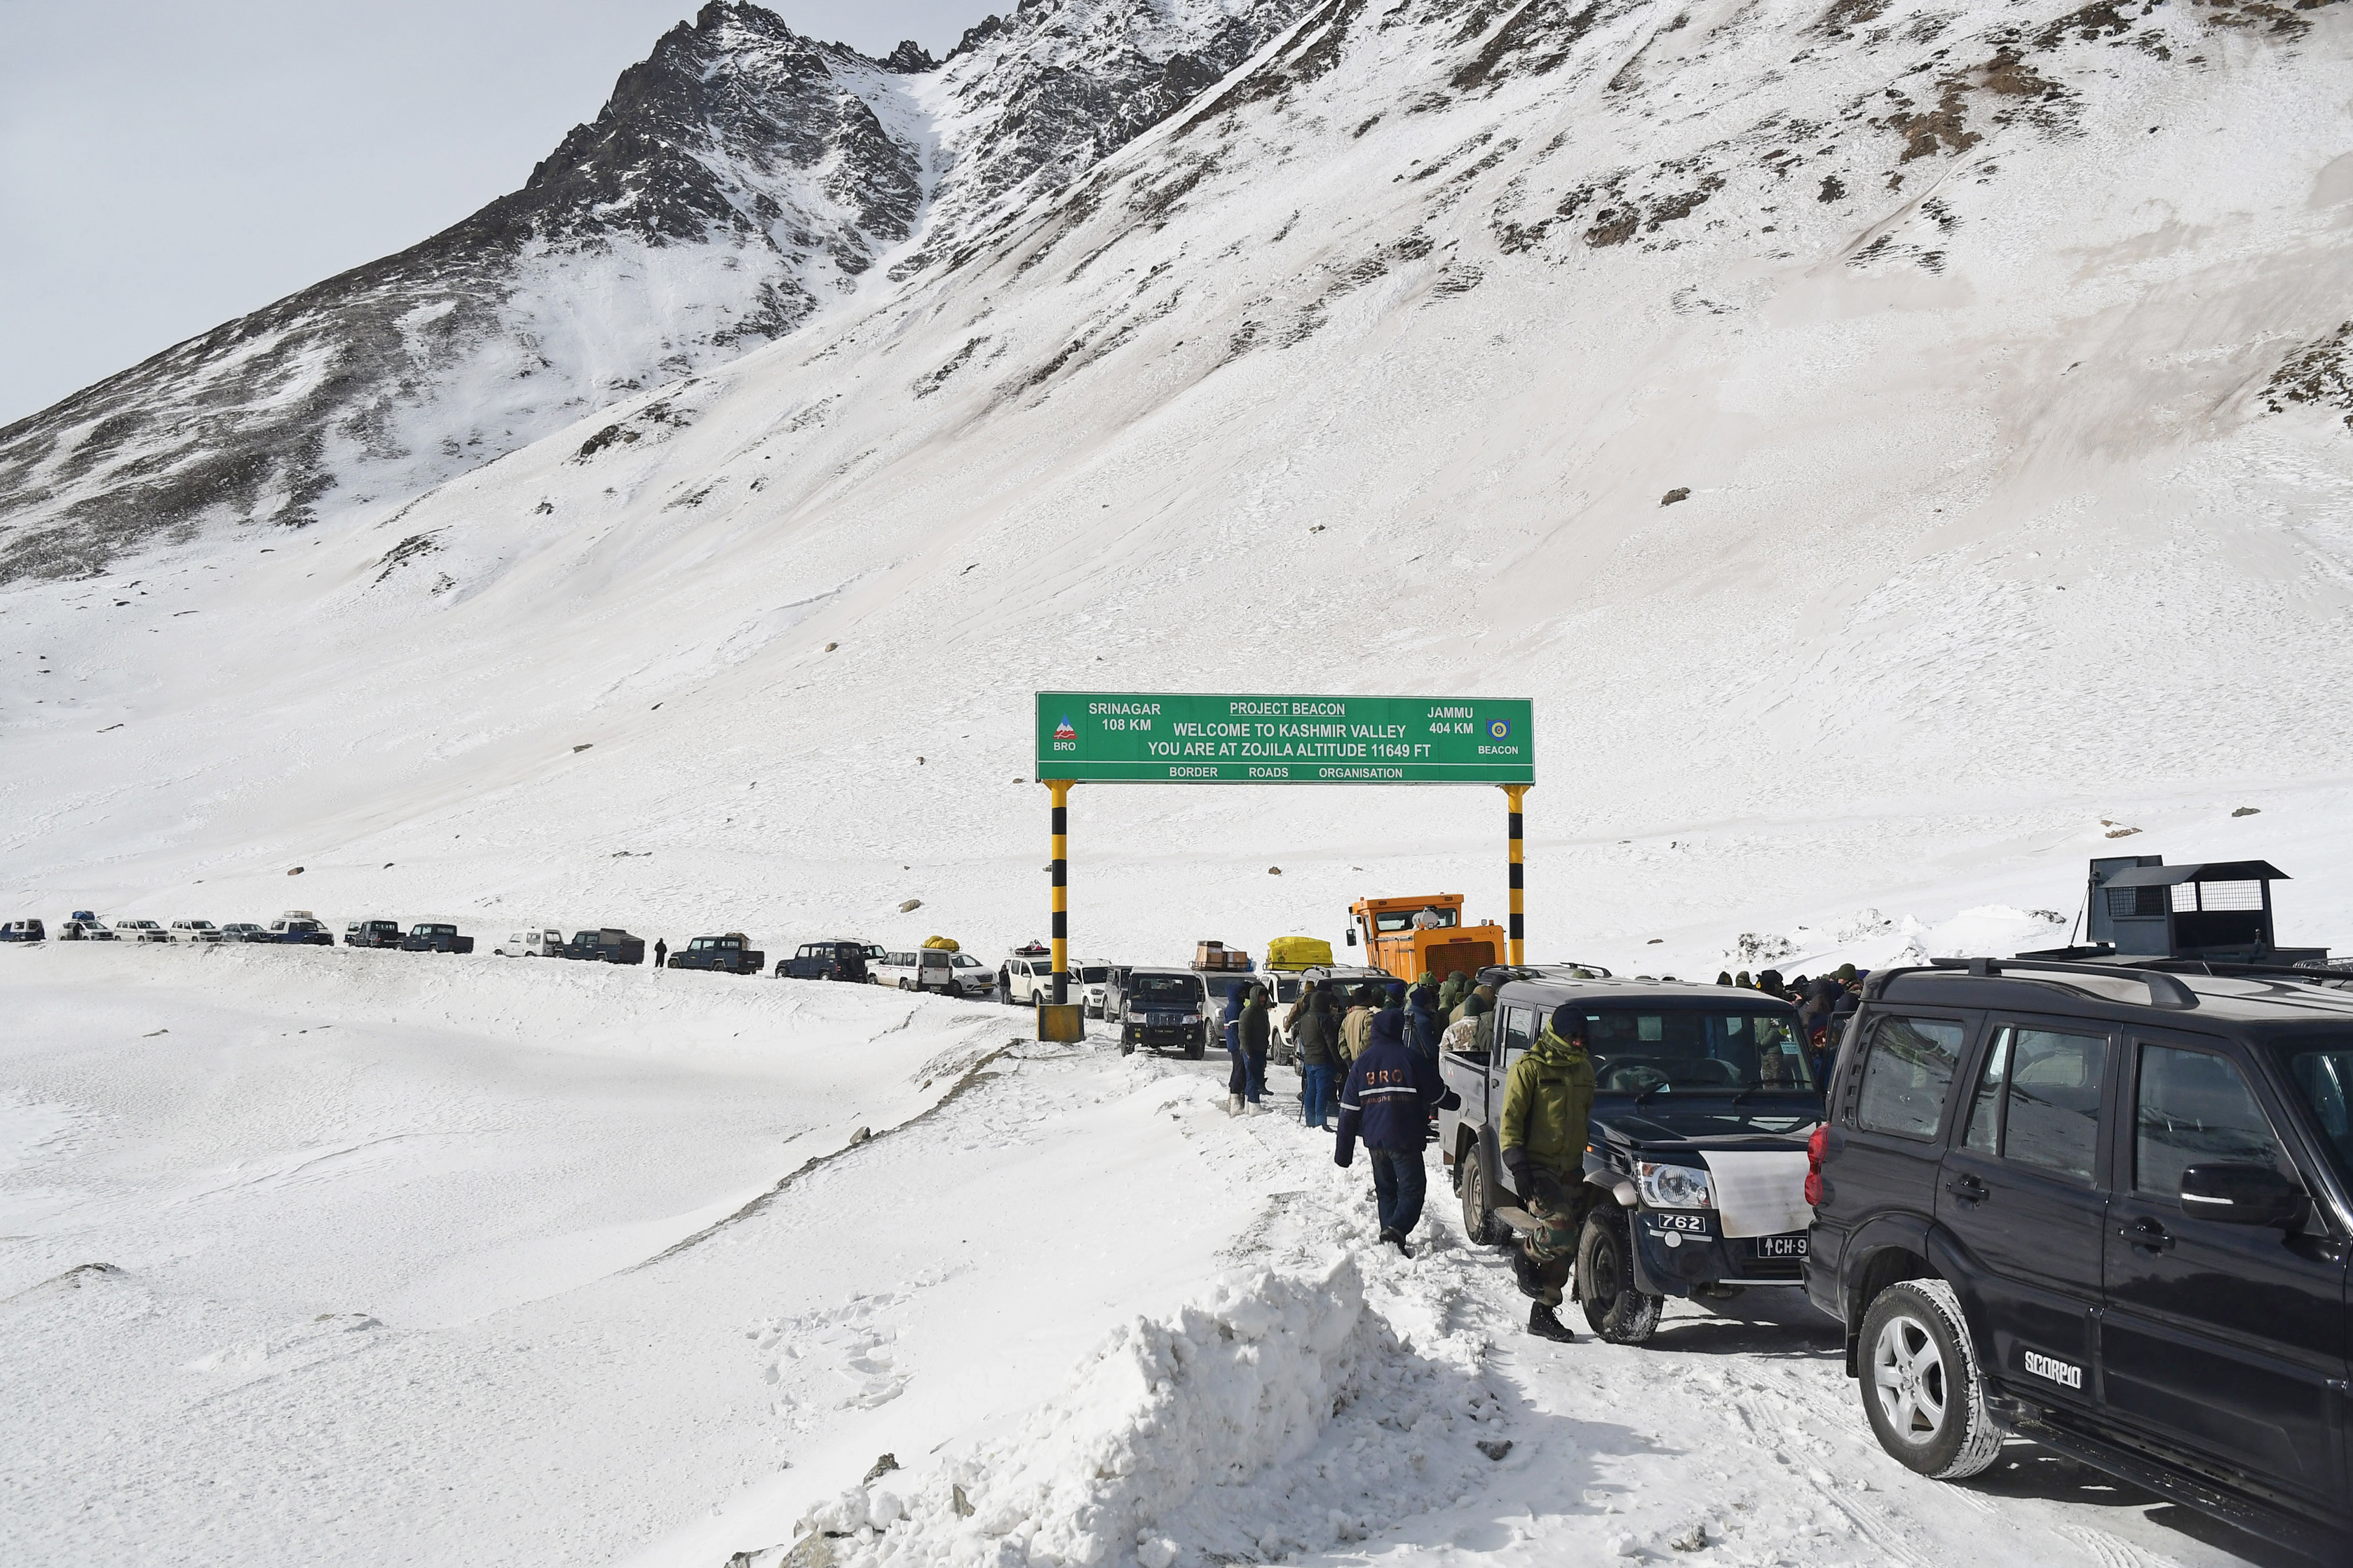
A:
x,y
1386,1102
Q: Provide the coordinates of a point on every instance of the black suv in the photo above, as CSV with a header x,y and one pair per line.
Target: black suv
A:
x,y
2104,1207
836,960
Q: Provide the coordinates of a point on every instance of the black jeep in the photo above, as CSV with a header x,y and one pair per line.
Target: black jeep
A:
x,y
429,936
2104,1206
730,954
373,934
839,960
606,944
1695,1157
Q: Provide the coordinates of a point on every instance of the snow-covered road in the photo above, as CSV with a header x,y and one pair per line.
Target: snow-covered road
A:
x,y
459,1261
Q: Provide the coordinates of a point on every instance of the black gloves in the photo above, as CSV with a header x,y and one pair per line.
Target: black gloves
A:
x,y
1515,1161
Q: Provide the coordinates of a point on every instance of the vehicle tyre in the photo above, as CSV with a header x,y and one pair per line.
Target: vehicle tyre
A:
x,y
1921,1385
1479,1222
1197,1050
902,984
1617,1309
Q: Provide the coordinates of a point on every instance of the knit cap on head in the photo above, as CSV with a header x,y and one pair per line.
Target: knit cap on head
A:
x,y
1568,1021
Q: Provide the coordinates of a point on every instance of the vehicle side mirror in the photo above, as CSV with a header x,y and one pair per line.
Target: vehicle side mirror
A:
x,y
2243,1195
1352,936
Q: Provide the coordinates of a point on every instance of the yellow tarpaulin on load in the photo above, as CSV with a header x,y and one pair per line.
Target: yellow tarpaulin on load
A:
x,y
1298,953
948,943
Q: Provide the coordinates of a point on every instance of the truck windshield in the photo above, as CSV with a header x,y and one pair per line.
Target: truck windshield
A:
x,y
1387,921
1680,1052
1167,990
1094,974
2323,1075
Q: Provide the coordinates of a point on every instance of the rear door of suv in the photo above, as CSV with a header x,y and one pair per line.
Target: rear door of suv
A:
x,y
1893,1111
2023,1190
2226,1341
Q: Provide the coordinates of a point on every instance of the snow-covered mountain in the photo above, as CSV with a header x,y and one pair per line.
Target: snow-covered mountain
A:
x,y
1886,438
739,180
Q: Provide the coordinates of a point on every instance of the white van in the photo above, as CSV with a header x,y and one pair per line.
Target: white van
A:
x,y
931,969
538,941
195,930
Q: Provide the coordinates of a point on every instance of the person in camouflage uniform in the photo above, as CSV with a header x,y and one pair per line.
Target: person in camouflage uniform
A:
x,y
1547,1101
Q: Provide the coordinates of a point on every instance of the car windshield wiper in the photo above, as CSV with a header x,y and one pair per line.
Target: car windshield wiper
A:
x,y
1643,1097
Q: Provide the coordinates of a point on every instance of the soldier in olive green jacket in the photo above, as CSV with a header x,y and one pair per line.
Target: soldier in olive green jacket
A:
x,y
1547,1101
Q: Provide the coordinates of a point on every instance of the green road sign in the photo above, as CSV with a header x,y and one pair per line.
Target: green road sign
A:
x,y
1161,737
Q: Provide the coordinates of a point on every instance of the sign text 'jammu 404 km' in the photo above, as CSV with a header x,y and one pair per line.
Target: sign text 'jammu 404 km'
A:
x,y
1160,737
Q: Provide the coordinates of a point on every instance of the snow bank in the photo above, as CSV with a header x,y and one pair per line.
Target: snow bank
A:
x,y
1281,1413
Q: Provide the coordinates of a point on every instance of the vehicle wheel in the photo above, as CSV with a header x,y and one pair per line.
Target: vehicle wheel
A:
x,y
1479,1222
1921,1386
1197,1049
902,986
1617,1311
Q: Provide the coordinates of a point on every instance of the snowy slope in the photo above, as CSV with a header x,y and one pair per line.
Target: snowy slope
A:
x,y
740,180
1368,373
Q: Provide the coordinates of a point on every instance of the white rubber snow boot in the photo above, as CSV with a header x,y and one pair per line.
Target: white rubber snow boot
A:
x,y
1233,1105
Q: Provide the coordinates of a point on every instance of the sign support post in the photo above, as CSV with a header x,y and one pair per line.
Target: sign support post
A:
x,y
1517,932
1060,789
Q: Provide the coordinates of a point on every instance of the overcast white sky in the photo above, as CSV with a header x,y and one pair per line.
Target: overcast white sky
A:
x,y
168,164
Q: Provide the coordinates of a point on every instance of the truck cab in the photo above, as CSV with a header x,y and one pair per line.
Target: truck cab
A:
x,y
1695,1155
1409,938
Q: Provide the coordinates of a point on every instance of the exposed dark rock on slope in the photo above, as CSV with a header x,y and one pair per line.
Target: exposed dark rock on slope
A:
x,y
739,178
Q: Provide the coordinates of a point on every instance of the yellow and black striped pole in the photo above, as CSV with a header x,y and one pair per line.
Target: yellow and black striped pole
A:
x,y
1513,828
1061,790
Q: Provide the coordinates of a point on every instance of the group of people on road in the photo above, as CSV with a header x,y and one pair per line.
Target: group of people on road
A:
x,y
1824,1004
1380,1041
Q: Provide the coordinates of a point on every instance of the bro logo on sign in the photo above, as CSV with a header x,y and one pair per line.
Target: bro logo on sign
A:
x,y
2058,1372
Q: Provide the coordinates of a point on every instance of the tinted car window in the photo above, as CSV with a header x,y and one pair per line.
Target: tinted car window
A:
x,y
1683,1050
2324,1077
1906,1074
1167,990
2196,1109
2038,1099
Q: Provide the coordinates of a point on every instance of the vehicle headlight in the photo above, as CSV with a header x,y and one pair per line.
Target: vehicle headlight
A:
x,y
1190,1018
1672,1186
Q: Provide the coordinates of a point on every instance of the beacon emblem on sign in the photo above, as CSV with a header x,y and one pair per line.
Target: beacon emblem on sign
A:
x,y
1063,731
1498,728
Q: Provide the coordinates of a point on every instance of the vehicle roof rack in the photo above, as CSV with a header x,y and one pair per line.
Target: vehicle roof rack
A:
x,y
2164,990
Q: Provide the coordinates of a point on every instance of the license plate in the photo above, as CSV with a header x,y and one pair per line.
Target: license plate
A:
x,y
1782,1245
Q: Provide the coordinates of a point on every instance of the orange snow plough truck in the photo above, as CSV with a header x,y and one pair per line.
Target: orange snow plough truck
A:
x,y
1395,943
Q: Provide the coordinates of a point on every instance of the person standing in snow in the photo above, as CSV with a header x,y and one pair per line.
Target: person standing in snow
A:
x,y
1547,1102
661,952
1316,1036
1230,1021
1355,1027
1387,1102
1450,995
1256,1031
1422,1021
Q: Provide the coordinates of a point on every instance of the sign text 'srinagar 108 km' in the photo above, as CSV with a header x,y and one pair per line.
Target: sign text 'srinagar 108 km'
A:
x,y
1157,737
